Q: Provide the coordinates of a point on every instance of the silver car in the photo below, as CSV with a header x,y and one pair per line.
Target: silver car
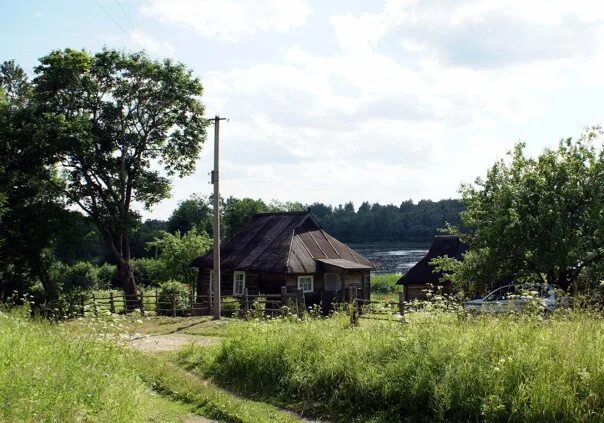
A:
x,y
513,298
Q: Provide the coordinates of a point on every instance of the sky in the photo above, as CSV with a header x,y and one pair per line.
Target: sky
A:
x,y
343,100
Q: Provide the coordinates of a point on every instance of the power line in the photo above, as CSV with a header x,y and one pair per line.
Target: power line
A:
x,y
125,14
111,17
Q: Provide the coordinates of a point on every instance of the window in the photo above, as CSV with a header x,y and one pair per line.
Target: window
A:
x,y
238,283
305,283
332,282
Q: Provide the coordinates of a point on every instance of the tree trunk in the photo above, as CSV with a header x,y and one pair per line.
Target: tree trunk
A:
x,y
126,278
119,248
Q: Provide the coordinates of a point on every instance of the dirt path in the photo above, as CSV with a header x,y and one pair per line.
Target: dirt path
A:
x,y
176,341
170,342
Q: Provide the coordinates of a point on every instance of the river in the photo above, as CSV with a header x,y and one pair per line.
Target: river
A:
x,y
392,258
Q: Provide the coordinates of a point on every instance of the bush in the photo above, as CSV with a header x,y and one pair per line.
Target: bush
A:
x,y
107,276
230,306
80,276
173,297
148,271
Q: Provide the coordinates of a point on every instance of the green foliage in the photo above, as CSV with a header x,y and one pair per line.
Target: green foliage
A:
x,y
387,223
106,276
173,298
109,116
192,213
385,283
230,306
32,213
149,272
80,276
536,219
435,368
61,373
177,251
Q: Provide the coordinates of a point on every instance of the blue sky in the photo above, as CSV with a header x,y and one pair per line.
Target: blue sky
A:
x,y
341,100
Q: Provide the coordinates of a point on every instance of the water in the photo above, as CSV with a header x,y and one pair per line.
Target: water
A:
x,y
390,258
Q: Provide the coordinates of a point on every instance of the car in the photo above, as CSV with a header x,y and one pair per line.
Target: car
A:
x,y
514,298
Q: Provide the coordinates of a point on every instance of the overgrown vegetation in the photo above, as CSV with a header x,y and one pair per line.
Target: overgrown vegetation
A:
x,y
56,373
432,368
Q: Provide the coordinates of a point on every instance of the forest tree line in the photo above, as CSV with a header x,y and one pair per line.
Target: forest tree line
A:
x,y
369,223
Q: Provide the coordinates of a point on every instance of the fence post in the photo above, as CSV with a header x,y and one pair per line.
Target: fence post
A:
x,y
82,305
284,298
354,305
96,312
246,303
142,303
173,305
401,303
111,303
125,304
301,303
192,302
156,303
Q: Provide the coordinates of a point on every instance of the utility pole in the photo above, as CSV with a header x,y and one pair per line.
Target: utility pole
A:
x,y
216,228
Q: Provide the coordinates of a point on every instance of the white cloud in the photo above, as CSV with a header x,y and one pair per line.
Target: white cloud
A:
x,y
415,99
229,20
150,44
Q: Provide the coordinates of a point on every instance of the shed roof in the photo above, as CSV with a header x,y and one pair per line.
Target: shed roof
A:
x,y
344,264
423,272
289,242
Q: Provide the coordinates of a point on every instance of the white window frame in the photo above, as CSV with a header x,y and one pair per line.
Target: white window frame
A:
x,y
235,274
312,283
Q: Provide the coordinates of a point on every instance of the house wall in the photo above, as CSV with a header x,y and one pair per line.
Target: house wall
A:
x,y
418,291
271,283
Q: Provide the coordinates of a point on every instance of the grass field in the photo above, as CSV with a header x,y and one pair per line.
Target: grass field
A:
x,y
52,373
81,370
435,368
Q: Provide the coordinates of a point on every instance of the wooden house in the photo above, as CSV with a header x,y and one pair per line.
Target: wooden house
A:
x,y
421,277
286,249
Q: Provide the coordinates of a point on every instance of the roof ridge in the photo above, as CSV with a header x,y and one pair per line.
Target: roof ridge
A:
x,y
284,213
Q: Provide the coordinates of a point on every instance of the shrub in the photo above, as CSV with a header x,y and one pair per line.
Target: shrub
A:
x,y
107,276
80,276
230,306
173,297
148,271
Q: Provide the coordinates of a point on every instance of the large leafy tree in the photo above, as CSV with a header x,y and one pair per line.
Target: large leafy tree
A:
x,y
538,219
122,125
193,213
33,214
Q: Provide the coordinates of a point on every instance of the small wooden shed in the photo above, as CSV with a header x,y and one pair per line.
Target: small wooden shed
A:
x,y
420,277
287,249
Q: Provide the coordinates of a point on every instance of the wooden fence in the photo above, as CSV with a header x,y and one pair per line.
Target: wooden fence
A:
x,y
287,302
246,305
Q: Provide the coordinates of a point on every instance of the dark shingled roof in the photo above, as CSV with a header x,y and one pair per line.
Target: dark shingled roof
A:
x,y
283,243
423,272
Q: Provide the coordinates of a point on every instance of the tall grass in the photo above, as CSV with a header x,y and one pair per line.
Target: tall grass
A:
x,y
434,368
57,373
385,283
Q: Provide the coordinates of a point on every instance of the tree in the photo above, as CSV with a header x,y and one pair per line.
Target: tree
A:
x,y
33,211
239,212
122,125
192,213
538,219
177,251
